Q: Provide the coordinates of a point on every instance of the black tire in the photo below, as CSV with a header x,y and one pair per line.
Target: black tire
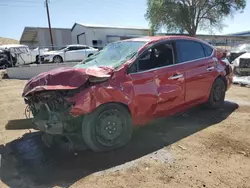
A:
x,y
57,59
90,55
217,94
105,133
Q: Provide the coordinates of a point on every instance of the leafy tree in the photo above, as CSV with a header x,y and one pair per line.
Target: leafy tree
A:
x,y
189,15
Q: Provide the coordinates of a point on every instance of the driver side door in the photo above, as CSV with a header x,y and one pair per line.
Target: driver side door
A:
x,y
157,88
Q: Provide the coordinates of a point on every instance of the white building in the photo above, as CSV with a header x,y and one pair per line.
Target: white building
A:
x,y
40,37
99,35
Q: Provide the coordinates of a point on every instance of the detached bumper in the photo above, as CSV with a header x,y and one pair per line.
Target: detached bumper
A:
x,y
49,126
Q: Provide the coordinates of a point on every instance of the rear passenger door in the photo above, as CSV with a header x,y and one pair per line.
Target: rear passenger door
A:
x,y
199,63
83,52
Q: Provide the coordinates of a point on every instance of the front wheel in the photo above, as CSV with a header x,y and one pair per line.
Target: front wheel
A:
x,y
217,94
107,128
57,59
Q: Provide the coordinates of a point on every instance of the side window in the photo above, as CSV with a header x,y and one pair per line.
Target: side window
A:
x,y
22,50
208,50
83,47
72,48
158,56
189,50
17,50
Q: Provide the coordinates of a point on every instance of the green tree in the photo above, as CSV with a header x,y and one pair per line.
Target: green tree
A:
x,y
189,15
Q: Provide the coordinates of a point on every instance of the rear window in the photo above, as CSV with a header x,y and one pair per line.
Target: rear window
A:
x,y
189,50
208,50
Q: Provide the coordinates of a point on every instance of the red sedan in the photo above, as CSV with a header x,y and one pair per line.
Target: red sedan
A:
x,y
127,83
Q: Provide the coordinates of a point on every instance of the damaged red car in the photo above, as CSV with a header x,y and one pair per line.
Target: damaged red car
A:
x,y
126,84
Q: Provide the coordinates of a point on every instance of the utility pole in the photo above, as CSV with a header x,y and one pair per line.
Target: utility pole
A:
x,y
50,31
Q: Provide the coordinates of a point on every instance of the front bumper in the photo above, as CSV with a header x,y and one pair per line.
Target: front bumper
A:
x,y
47,59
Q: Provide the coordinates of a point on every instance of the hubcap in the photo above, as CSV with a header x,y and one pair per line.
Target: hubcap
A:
x,y
57,60
109,127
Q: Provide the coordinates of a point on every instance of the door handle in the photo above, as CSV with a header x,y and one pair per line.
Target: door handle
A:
x,y
210,68
176,76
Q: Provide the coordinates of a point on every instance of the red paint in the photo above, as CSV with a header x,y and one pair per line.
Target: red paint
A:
x,y
63,78
148,95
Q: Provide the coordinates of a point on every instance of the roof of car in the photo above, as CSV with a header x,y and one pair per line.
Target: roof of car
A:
x,y
13,46
76,45
157,38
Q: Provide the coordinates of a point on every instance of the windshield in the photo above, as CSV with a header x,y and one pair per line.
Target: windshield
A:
x,y
113,55
61,49
241,47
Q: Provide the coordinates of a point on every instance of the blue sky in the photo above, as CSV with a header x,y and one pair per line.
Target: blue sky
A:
x,y
16,14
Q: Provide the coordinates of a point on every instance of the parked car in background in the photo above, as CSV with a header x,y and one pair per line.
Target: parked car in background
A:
x,y
22,53
241,65
68,53
6,59
237,51
128,83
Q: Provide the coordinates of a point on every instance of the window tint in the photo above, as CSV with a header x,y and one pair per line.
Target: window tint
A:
x,y
208,50
83,47
158,56
72,48
189,50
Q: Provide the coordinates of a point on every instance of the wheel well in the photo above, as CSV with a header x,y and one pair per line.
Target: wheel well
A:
x,y
90,55
223,78
58,56
120,103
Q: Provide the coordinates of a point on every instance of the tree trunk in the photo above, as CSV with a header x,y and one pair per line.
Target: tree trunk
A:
x,y
192,33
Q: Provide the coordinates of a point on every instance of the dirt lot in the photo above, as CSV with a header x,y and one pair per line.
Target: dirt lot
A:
x,y
201,148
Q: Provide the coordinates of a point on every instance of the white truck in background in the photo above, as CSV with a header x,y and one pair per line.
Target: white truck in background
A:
x,y
22,54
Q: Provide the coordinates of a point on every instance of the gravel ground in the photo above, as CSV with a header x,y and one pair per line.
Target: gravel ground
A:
x,y
200,148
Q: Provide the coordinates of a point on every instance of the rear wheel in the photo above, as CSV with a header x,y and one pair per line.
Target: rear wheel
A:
x,y
107,128
217,94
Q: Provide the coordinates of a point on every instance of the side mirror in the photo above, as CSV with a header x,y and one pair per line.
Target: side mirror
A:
x,y
132,68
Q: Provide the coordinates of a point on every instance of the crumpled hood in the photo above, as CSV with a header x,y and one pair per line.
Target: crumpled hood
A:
x,y
64,78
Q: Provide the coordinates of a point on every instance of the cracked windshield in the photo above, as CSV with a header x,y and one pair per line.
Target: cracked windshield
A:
x,y
125,94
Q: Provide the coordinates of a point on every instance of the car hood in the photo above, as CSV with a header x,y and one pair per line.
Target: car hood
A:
x,y
64,78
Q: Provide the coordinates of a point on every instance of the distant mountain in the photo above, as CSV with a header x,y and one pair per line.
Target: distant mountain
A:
x,y
8,41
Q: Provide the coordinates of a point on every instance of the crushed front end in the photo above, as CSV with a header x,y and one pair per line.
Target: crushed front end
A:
x,y
51,112
49,98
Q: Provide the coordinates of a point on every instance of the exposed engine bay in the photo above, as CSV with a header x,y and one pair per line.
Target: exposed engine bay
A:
x,y
51,109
